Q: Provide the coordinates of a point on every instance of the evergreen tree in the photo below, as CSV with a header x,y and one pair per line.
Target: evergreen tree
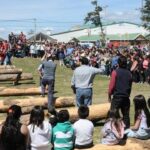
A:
x,y
146,14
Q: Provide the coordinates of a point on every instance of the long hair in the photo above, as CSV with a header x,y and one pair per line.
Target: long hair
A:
x,y
139,105
37,117
11,127
114,116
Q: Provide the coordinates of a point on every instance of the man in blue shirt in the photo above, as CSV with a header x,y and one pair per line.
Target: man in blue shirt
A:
x,y
82,82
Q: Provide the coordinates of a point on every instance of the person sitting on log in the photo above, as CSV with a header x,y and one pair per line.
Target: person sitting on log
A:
x,y
113,130
40,130
142,119
63,132
13,134
84,129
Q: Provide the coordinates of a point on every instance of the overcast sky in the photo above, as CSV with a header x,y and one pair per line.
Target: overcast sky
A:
x,y
60,15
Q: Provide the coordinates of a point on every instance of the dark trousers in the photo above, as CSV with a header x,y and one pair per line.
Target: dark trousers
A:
x,y
50,84
123,104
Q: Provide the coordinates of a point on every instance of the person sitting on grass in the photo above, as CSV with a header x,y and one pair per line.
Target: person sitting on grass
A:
x,y
63,132
40,130
113,130
83,129
13,134
141,119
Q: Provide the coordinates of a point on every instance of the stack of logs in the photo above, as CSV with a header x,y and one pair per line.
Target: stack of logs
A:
x,y
97,112
11,73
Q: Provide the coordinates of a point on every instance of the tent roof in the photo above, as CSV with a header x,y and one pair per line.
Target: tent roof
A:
x,y
41,37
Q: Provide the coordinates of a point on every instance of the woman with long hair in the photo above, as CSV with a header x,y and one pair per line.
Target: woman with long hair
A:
x,y
113,130
141,119
13,134
39,130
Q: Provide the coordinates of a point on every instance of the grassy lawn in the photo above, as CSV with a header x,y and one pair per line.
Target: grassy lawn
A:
x,y
62,85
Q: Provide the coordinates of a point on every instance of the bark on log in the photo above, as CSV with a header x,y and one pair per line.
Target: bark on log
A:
x,y
28,104
131,144
16,77
7,67
19,92
97,112
10,71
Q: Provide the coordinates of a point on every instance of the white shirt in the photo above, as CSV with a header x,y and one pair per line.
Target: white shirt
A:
x,y
40,138
32,49
83,132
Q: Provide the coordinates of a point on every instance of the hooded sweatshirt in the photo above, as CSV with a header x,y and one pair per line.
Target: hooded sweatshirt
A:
x,y
63,136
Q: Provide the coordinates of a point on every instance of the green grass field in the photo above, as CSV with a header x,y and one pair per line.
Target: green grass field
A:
x,y
62,85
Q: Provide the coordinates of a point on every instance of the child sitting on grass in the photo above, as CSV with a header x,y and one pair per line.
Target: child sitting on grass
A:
x,y
83,129
141,119
113,130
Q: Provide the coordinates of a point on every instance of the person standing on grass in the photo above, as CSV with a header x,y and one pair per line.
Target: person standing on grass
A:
x,y
120,87
47,72
148,101
82,82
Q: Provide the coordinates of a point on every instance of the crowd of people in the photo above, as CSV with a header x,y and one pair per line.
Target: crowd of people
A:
x,y
69,54
125,65
58,133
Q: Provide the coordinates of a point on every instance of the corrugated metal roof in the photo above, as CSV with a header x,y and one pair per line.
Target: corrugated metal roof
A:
x,y
91,26
116,37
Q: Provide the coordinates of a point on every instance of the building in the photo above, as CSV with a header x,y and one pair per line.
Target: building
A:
x,y
116,39
121,29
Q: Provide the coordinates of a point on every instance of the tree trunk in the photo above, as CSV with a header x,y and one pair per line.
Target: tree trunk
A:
x,y
97,112
10,71
28,104
16,77
131,144
7,67
19,92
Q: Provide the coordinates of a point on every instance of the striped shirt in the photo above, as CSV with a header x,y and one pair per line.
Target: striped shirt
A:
x,y
63,136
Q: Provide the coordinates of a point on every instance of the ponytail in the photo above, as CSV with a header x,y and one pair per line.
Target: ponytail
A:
x,y
11,127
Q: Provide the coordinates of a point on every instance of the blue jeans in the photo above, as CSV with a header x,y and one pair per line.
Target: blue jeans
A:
x,y
50,83
84,96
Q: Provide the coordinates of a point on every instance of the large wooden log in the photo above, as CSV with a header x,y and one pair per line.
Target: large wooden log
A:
x,y
7,67
16,77
97,112
10,71
19,92
131,144
28,104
